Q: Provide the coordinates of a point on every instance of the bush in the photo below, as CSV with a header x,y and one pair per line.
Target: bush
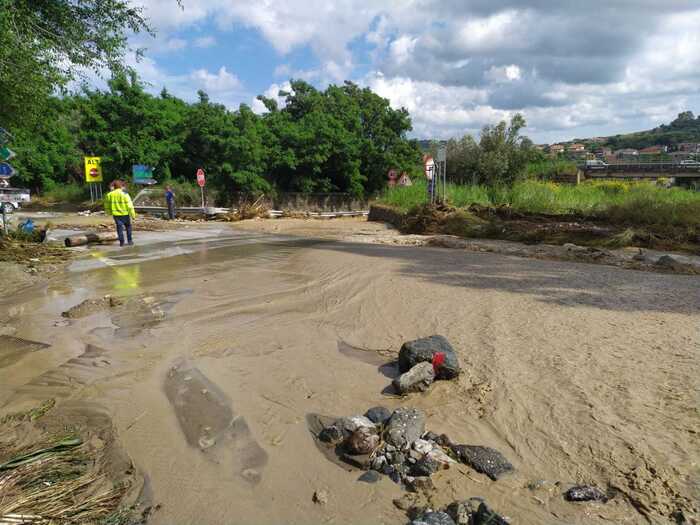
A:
x,y
71,192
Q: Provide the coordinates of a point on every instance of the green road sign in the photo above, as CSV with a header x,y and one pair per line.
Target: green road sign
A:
x,y
6,153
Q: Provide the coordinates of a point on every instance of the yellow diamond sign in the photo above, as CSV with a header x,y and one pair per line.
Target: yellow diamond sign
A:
x,y
93,169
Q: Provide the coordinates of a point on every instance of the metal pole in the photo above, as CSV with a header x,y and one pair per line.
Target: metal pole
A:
x,y
202,189
4,219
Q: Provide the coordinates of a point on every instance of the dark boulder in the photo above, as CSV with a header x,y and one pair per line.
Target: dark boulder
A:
x,y
585,493
484,460
378,415
485,516
425,350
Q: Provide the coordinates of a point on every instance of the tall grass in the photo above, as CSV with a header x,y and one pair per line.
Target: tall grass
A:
x,y
618,202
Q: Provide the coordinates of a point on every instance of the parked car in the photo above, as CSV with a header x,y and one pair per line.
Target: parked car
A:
x,y
689,162
596,164
13,198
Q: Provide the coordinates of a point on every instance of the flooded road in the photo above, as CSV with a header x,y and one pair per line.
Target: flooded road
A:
x,y
218,348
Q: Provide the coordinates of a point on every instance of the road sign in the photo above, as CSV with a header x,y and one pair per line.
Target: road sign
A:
x,y
93,169
200,178
142,174
6,153
6,170
442,154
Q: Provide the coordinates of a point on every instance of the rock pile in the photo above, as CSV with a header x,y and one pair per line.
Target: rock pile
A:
x,y
423,361
473,511
396,444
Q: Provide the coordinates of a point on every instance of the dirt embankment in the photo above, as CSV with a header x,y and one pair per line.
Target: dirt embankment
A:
x,y
507,224
541,236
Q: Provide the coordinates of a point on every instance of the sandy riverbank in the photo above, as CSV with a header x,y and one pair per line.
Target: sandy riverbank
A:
x,y
576,372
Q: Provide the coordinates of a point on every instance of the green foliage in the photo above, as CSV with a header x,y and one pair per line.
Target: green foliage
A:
x,y
617,202
343,139
547,169
46,44
500,157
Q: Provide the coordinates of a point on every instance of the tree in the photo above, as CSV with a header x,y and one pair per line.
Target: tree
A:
x,y
48,43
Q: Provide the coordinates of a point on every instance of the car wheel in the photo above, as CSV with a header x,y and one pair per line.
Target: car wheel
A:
x,y
8,207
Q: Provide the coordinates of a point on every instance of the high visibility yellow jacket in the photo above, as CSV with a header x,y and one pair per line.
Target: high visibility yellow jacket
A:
x,y
119,203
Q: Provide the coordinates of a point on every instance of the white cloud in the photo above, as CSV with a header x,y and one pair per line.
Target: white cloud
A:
x,y
459,65
213,83
402,48
204,41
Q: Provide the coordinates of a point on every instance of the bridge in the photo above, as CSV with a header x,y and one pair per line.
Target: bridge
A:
x,y
687,173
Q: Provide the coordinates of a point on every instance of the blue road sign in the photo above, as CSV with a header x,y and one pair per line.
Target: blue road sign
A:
x,y
6,170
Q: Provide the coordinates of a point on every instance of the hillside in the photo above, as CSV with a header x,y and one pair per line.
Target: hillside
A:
x,y
685,128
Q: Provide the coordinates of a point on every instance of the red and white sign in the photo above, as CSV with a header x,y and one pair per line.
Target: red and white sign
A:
x,y
200,177
429,166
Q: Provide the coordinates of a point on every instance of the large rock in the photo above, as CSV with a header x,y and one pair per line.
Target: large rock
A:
x,y
434,518
404,427
424,350
350,424
378,415
585,493
363,441
463,512
417,379
474,511
484,460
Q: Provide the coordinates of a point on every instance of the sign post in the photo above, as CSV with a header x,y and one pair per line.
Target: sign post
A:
x,y
442,170
93,176
201,181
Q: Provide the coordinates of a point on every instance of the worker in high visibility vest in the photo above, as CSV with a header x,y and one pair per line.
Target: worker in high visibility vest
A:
x,y
118,204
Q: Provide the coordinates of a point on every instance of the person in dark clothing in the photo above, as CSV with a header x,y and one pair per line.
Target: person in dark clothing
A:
x,y
170,200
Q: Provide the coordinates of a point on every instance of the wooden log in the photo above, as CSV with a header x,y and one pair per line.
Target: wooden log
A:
x,y
89,238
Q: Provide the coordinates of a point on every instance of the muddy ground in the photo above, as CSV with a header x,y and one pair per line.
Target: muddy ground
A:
x,y
221,346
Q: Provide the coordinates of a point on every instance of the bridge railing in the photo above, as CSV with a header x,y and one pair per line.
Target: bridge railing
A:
x,y
668,167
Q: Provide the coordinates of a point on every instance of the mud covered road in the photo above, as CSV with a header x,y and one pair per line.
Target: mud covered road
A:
x,y
219,347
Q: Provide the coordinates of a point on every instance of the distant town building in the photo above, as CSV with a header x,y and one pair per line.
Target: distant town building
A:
x,y
653,150
602,153
678,156
627,154
689,147
576,148
556,149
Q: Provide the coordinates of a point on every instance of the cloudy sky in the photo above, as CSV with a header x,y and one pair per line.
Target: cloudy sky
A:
x,y
573,68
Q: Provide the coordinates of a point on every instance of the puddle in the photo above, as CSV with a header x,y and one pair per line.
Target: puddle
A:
x,y
12,349
209,423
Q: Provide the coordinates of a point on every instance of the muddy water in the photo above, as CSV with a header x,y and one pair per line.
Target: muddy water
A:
x,y
576,373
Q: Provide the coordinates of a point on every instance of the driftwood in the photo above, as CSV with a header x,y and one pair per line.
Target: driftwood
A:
x,y
90,237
